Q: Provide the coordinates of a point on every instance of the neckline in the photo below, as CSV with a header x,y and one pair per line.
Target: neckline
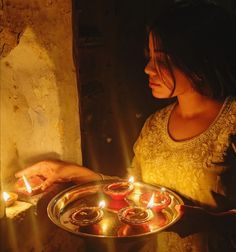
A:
x,y
203,134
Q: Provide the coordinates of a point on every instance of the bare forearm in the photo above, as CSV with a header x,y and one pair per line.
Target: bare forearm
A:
x,y
80,174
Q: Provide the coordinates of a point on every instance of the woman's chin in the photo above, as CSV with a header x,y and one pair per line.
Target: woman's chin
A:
x,y
160,95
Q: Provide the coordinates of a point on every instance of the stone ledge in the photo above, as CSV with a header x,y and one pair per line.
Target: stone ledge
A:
x,y
17,210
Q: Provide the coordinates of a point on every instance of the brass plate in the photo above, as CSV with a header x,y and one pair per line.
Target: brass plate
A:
x,y
65,203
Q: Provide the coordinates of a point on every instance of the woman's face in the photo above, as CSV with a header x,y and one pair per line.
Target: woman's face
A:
x,y
160,79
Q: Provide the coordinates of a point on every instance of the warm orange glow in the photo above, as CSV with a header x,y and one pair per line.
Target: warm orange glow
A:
x,y
151,201
131,180
6,196
163,190
102,204
27,185
105,226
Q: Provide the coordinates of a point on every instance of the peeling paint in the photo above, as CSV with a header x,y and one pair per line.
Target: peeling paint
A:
x,y
39,101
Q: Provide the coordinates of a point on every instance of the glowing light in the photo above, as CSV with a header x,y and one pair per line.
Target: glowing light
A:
x,y
105,226
27,185
6,196
151,201
163,190
102,204
131,180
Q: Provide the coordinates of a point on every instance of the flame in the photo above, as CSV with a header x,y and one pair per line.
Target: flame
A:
x,y
27,185
163,189
102,204
151,201
6,196
131,180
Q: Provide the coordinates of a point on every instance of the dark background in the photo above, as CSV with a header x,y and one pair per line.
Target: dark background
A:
x,y
109,41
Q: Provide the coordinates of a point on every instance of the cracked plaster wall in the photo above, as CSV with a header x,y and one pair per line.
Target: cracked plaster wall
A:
x,y
39,100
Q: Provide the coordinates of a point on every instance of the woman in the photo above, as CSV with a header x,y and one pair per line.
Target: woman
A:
x,y
189,145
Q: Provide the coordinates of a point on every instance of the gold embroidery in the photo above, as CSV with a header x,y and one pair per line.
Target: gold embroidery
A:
x,y
188,167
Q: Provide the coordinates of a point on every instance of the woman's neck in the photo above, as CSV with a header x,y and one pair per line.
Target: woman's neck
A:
x,y
194,104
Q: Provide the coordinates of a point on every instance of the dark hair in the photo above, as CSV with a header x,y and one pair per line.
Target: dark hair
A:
x,y
199,39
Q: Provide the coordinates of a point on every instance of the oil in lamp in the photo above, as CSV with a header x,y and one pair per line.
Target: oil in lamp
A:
x,y
136,219
9,198
161,199
29,186
87,215
119,190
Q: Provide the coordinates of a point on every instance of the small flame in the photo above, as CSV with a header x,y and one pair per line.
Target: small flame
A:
x,y
151,201
131,180
27,185
163,189
6,196
102,204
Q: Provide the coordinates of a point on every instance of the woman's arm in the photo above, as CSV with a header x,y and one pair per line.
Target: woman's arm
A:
x,y
59,171
197,219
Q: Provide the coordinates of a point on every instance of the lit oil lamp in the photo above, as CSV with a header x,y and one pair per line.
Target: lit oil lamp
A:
x,y
119,190
136,219
161,199
9,198
29,186
88,215
136,215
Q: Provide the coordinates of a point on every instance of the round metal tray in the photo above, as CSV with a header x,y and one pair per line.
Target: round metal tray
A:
x,y
65,203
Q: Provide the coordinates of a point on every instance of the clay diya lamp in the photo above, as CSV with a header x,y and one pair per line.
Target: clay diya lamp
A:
x,y
94,229
160,220
161,199
128,230
87,215
29,186
135,215
9,198
136,219
119,190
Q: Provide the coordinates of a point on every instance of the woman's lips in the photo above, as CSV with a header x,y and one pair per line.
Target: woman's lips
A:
x,y
152,85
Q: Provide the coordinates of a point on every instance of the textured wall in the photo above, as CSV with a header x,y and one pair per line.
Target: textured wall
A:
x,y
39,100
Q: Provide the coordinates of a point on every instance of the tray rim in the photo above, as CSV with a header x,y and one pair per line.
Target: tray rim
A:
x,y
56,221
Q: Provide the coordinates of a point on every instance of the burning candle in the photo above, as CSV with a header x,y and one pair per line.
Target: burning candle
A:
x,y
85,216
9,198
29,186
119,190
160,199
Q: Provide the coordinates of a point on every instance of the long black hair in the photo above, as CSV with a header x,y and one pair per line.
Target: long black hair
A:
x,y
199,38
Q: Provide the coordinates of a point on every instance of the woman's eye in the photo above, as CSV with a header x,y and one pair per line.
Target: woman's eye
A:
x,y
146,54
162,63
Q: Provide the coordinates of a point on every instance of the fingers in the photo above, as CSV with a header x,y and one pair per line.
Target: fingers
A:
x,y
185,209
178,208
47,183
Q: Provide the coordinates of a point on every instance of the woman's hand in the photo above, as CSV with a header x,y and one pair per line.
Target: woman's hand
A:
x,y
58,171
196,219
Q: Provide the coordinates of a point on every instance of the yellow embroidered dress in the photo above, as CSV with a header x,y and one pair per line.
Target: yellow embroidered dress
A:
x,y
188,167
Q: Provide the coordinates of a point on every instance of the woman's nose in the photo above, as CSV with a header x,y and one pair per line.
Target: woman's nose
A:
x,y
150,68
